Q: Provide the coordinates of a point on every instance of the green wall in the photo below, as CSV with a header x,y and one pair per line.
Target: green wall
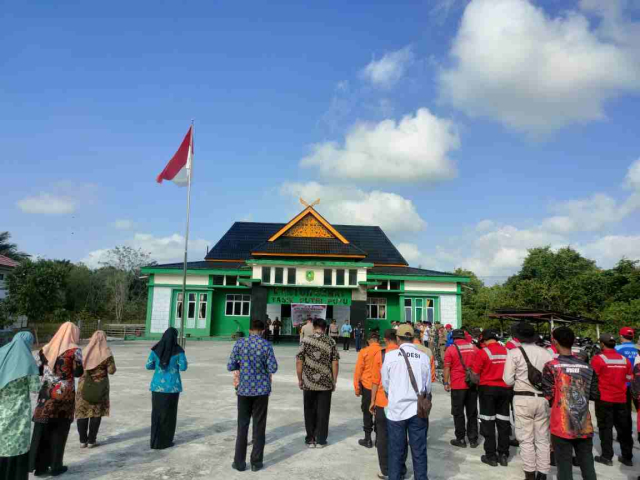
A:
x,y
224,325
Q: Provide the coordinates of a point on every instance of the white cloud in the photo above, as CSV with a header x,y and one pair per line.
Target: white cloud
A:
x,y
410,252
610,249
47,204
123,224
632,180
414,149
352,206
514,63
484,225
585,215
167,249
388,70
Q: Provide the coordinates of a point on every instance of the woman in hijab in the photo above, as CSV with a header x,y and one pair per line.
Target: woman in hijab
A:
x,y
93,403
18,378
60,361
167,358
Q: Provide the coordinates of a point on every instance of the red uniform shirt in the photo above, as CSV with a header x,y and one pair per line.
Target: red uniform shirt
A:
x,y
452,361
613,371
513,343
489,364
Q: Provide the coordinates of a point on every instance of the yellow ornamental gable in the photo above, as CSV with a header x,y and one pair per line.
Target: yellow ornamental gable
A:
x,y
309,227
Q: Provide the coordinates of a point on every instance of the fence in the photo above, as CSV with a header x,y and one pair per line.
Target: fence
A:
x,y
45,331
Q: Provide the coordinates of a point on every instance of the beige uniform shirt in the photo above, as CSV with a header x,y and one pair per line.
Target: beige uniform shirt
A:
x,y
306,331
515,368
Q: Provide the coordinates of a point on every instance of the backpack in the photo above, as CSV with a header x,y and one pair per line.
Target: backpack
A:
x,y
533,374
471,379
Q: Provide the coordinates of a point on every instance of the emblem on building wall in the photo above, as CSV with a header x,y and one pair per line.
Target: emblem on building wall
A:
x,y
310,275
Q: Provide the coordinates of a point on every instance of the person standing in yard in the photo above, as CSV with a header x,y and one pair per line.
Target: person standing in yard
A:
x,y
495,396
401,370
253,357
92,398
629,350
358,335
568,384
334,331
362,385
18,379
167,359
60,362
614,372
530,407
307,329
317,365
345,333
277,325
464,398
379,403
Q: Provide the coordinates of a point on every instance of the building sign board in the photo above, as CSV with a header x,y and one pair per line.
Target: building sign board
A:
x,y
318,296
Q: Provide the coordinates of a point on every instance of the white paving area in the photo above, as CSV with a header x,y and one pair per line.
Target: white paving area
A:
x,y
207,422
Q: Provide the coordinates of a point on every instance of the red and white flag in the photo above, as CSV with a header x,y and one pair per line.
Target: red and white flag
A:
x,y
178,168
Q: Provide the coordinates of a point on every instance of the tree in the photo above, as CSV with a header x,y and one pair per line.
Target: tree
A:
x,y
9,249
37,289
123,269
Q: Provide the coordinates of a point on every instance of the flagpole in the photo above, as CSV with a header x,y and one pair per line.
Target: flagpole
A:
x,y
185,301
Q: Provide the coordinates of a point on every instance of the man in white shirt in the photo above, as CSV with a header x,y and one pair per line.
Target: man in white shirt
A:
x,y
402,411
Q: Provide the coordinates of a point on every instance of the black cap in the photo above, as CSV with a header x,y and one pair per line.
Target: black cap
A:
x,y
525,332
458,334
489,334
607,338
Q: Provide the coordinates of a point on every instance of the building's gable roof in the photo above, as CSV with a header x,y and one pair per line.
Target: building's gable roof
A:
x,y
7,262
309,224
307,246
243,238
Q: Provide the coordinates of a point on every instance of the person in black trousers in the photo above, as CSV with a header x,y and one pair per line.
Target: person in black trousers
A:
x,y
317,369
253,356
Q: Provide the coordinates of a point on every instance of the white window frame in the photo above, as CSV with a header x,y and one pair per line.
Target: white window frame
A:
x,y
408,308
235,299
202,321
377,302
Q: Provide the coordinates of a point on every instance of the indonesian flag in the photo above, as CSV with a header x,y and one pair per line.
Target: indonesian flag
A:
x,y
178,168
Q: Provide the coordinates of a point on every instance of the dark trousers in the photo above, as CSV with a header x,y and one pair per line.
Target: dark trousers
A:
x,y
358,343
611,415
164,418
276,336
346,343
251,408
465,401
564,448
494,412
367,418
317,408
48,443
382,442
88,429
416,429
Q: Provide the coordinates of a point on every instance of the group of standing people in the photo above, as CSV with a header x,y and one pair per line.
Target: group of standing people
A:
x,y
51,373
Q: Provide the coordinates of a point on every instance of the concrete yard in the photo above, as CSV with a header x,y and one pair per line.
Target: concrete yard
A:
x,y
207,427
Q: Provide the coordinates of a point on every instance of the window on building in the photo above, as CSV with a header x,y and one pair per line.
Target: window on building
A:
x,y
384,285
218,279
232,280
339,276
202,311
279,276
408,311
327,276
429,306
353,277
179,308
394,285
377,308
419,309
191,311
1,277
238,305
266,274
291,276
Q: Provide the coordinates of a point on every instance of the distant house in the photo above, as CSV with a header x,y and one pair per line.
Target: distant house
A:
x,y
6,265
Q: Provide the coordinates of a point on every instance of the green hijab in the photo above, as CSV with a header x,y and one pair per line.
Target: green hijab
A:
x,y
16,360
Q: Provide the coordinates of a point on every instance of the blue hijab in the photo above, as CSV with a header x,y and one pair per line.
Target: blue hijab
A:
x,y
16,360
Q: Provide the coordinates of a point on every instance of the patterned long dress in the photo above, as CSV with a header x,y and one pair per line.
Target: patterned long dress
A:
x,y
99,374
15,415
57,398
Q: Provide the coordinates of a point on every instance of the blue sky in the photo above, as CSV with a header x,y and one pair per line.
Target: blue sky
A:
x,y
470,131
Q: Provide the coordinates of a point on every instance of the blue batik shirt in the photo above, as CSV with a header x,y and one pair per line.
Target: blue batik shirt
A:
x,y
253,356
167,381
629,350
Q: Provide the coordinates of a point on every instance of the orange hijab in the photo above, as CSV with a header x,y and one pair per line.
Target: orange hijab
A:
x,y
66,338
97,351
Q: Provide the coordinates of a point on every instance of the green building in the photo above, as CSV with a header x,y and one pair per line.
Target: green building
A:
x,y
306,268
